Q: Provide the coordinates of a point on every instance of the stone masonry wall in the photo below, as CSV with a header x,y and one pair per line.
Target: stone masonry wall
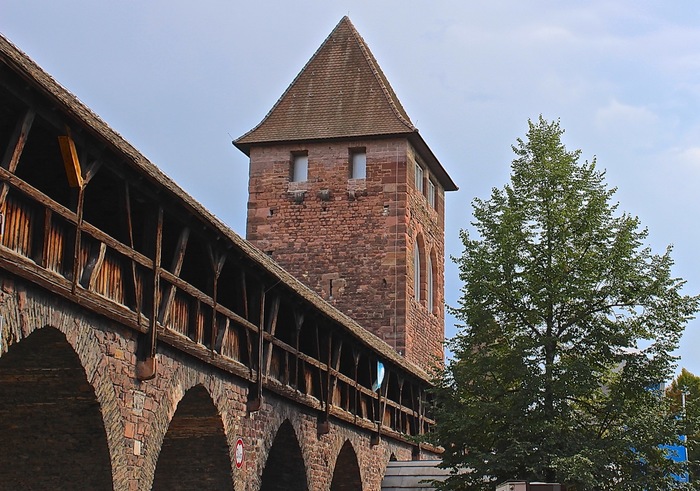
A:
x,y
426,226
137,415
351,240
344,238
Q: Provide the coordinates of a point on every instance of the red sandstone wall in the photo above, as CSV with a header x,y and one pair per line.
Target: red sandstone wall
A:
x,y
353,243
357,242
426,330
136,415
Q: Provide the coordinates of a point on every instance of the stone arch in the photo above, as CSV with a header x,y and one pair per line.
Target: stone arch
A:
x,y
346,473
284,468
175,387
25,311
194,453
50,418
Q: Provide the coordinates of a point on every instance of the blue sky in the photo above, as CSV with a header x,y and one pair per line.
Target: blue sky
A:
x,y
180,80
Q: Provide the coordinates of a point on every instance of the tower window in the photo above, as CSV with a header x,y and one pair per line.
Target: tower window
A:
x,y
419,178
431,194
429,274
300,167
416,271
358,163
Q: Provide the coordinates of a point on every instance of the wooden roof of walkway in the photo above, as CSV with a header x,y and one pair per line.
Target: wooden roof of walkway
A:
x,y
35,74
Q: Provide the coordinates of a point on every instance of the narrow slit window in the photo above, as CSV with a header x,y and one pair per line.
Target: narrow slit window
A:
x,y
431,194
419,178
300,168
430,296
358,163
416,271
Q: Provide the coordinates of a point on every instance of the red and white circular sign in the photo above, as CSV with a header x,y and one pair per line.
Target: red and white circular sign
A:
x,y
239,454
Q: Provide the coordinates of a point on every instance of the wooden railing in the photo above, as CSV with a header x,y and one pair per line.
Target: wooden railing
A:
x,y
50,244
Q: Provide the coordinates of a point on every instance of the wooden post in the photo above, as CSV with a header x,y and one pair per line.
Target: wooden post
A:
x,y
356,360
76,245
217,260
176,267
334,362
146,369
255,396
14,149
298,322
130,233
271,328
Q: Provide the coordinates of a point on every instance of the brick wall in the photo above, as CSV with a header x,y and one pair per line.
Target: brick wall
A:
x,y
351,240
134,418
426,228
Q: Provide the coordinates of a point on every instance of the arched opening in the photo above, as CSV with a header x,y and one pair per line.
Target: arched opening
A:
x,y
284,469
194,454
52,432
346,475
432,296
416,271
419,276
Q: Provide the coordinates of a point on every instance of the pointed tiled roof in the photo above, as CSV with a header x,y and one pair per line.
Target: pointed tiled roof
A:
x,y
340,93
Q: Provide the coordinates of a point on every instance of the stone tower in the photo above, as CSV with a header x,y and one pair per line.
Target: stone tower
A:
x,y
346,195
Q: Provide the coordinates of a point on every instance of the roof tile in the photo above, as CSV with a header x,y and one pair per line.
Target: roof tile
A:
x,y
340,93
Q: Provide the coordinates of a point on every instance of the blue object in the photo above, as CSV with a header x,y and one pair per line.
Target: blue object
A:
x,y
380,376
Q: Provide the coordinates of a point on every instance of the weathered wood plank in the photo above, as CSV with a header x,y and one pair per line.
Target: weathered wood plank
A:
x,y
176,267
15,146
271,328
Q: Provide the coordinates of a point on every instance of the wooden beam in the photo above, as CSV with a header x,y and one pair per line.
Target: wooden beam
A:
x,y
255,395
246,315
323,426
91,170
196,330
47,234
381,407
298,322
220,335
15,146
335,363
77,243
271,327
128,224
146,369
70,161
356,361
156,279
217,259
93,266
321,387
14,149
176,267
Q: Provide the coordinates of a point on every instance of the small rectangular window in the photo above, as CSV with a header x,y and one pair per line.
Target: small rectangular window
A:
x,y
300,167
431,194
358,163
419,178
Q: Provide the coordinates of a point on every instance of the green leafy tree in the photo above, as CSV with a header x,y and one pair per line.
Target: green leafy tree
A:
x,y
548,380
686,388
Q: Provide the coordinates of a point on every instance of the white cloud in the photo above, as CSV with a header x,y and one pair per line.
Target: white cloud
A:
x,y
627,124
688,157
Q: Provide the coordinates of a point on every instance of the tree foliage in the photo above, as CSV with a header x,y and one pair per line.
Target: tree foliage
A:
x,y
568,320
688,384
